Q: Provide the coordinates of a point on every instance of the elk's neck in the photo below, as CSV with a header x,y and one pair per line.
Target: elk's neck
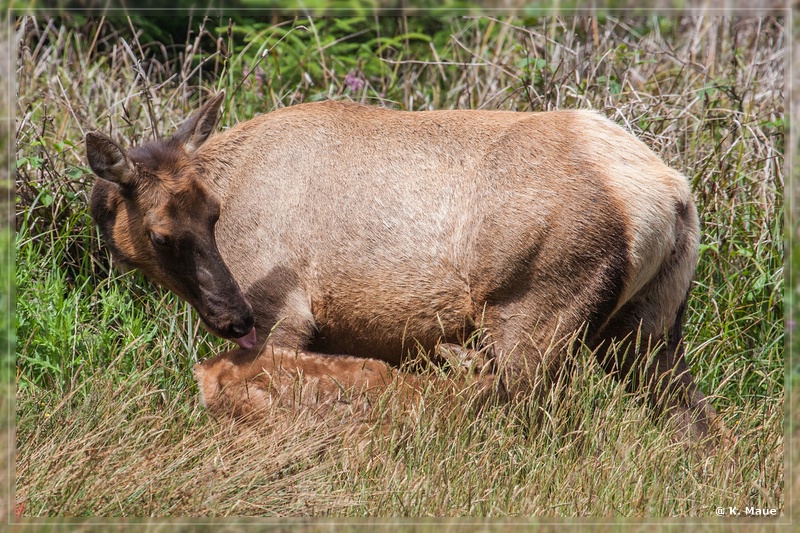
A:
x,y
218,160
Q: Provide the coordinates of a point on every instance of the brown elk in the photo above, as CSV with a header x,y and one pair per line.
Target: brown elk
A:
x,y
370,232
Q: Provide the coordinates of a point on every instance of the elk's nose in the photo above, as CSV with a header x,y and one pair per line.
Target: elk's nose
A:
x,y
241,327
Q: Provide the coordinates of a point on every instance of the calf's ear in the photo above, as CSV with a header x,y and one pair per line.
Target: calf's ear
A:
x,y
108,160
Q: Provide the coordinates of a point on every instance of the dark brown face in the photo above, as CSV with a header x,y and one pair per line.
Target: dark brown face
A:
x,y
172,242
156,214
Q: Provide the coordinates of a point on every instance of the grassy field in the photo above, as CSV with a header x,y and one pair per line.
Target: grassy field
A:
x,y
107,413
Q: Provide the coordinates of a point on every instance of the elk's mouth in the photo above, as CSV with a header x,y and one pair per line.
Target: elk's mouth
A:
x,y
243,333
238,327
248,341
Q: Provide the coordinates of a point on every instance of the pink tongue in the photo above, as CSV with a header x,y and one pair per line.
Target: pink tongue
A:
x,y
248,341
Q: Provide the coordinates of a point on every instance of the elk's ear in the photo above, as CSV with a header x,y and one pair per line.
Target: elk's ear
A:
x,y
107,159
194,132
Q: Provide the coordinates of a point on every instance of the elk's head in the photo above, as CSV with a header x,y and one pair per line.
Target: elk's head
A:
x,y
156,213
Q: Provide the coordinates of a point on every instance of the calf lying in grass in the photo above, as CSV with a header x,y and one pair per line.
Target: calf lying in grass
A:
x,y
245,382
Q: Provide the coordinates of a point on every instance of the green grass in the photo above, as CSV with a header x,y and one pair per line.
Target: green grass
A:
x,y
108,419
80,323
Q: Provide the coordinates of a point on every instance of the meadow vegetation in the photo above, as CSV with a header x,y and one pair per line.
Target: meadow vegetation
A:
x,y
107,413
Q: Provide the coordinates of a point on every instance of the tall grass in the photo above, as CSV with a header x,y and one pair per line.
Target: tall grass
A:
x,y
108,421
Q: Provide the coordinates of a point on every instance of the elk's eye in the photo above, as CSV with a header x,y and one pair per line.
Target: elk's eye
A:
x,y
158,239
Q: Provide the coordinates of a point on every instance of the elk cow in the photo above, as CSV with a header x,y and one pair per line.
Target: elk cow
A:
x,y
339,228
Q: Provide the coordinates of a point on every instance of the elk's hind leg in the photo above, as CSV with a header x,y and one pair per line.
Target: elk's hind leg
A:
x,y
654,361
648,330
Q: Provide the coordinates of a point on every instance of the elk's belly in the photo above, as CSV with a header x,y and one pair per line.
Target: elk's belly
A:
x,y
392,319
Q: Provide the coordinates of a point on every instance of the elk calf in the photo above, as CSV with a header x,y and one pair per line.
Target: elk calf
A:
x,y
338,228
244,382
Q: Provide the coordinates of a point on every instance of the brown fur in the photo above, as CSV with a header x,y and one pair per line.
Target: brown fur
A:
x,y
242,382
247,383
360,230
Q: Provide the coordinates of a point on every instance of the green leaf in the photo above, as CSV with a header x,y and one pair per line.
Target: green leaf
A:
x,y
76,172
532,62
